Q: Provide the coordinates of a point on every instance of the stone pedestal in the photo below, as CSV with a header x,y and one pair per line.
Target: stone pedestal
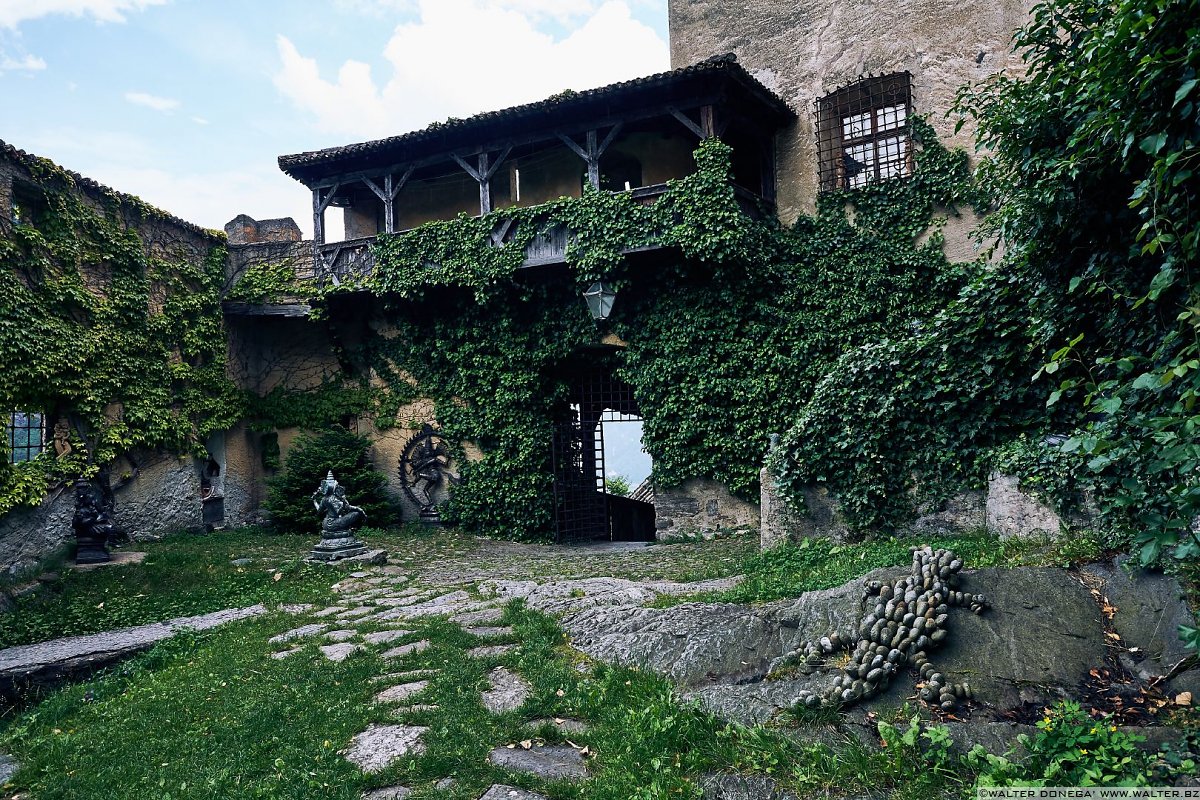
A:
x,y
91,551
335,549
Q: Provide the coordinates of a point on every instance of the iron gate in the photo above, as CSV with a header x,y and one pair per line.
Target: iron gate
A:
x,y
581,504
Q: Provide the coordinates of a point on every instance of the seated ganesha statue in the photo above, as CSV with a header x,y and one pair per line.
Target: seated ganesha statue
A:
x,y
341,518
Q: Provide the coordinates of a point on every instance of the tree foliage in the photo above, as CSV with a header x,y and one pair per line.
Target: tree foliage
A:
x,y
1093,160
289,499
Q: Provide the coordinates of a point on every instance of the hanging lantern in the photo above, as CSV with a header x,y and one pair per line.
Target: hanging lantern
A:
x,y
600,298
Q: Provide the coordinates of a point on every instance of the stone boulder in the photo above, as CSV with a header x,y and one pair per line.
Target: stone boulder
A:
x,y
1036,643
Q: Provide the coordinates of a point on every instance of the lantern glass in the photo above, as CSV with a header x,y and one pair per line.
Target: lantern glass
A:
x,y
600,298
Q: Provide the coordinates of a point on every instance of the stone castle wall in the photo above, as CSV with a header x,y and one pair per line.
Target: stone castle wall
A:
x,y
804,51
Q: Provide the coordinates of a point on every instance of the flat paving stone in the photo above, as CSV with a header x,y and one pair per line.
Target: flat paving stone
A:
x,y
361,611
388,793
382,637
50,662
493,630
398,602
500,791
483,617
339,652
379,746
400,693
341,635
552,762
415,708
285,653
491,650
508,693
404,677
298,633
406,649
329,611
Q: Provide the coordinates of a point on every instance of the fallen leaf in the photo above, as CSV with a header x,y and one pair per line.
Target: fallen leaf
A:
x,y
1183,699
559,720
277,576
1112,636
560,693
527,744
101,605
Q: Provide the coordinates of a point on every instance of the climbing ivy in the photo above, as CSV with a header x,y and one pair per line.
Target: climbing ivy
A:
x,y
727,330
122,336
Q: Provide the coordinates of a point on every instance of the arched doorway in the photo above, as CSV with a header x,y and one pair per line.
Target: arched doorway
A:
x,y
584,509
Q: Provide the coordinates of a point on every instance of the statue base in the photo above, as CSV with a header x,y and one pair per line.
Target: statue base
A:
x,y
337,549
91,553
430,516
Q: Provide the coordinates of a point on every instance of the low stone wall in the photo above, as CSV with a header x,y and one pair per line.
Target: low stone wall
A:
x,y
1012,513
162,497
700,507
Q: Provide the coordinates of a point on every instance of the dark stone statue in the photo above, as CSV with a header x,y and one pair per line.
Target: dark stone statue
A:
x,y
94,528
340,520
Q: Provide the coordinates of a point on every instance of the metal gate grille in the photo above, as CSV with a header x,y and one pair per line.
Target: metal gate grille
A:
x,y
580,502
581,511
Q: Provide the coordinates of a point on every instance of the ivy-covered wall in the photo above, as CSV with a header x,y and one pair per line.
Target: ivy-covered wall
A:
x,y
110,319
729,322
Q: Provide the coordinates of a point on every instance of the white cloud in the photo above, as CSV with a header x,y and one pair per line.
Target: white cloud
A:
x,y
200,120
152,101
14,12
23,64
462,57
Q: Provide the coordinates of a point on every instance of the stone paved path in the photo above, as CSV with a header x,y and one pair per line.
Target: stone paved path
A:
x,y
386,609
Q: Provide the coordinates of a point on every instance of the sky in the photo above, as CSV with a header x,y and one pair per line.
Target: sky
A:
x,y
188,103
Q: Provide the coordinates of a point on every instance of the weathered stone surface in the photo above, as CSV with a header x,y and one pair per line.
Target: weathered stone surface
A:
x,y
690,643
50,662
508,691
483,617
398,694
491,651
382,637
296,608
1011,513
700,507
298,633
1040,637
379,746
776,517
406,649
242,562
561,597
360,611
451,603
445,784
741,787
388,793
1149,610
500,791
404,677
341,635
371,558
282,654
28,535
8,768
339,652
552,762
328,611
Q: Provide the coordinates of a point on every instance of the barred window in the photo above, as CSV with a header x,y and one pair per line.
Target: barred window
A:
x,y
863,132
26,435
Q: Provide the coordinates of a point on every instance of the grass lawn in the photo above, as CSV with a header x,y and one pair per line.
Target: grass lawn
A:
x,y
212,715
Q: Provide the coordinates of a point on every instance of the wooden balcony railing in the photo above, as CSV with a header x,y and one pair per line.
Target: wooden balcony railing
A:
x,y
336,262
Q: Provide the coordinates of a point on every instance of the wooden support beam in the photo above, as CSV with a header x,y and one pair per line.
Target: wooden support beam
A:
x,y
687,122
592,152
706,122
500,232
320,203
483,171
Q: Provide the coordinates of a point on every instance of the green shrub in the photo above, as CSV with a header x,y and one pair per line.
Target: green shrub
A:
x,y
289,498
1070,749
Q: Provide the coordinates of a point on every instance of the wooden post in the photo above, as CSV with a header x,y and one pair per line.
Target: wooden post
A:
x,y
318,218
593,160
706,122
485,185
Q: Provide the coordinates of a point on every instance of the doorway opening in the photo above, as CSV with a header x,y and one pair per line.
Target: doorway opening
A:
x,y
601,409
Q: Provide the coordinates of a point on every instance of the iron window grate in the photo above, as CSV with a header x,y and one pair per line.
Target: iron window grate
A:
x,y
864,132
26,435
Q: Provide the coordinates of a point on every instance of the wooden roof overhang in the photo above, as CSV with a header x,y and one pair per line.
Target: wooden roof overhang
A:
x,y
704,97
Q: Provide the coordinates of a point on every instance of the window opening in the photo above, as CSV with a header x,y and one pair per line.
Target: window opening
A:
x,y
26,435
863,132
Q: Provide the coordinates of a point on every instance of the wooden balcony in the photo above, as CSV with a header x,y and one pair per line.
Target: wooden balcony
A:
x,y
337,262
